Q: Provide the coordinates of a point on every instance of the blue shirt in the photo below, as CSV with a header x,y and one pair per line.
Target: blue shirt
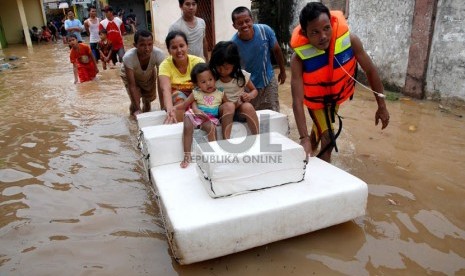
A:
x,y
73,24
256,54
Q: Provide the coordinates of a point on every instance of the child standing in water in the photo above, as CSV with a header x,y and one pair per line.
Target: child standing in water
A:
x,y
84,63
105,48
46,34
225,64
204,112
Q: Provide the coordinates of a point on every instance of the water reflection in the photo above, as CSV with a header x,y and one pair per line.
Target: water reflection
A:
x,y
74,198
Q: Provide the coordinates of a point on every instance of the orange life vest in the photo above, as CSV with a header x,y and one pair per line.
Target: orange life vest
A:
x,y
327,75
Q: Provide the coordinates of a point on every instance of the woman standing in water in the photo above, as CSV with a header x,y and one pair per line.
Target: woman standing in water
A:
x,y
84,63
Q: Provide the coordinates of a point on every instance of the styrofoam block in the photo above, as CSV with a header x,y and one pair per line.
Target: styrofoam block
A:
x,y
152,118
272,121
268,120
237,165
171,138
162,144
200,227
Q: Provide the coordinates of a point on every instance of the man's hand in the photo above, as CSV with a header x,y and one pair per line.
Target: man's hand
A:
x,y
305,143
383,115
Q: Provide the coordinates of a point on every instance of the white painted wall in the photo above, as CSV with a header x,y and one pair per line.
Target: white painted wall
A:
x,y
223,23
165,12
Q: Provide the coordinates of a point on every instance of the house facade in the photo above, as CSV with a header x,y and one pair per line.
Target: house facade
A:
x,y
16,18
216,13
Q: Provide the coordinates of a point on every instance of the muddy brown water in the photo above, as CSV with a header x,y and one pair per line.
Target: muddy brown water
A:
x,y
74,199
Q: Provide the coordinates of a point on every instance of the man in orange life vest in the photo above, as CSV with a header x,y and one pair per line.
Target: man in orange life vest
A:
x,y
323,69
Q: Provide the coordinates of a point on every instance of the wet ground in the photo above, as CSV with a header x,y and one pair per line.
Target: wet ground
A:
x,y
74,199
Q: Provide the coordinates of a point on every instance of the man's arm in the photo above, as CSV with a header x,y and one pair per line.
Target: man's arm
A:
x,y
75,72
132,87
373,79
278,55
297,90
72,29
86,26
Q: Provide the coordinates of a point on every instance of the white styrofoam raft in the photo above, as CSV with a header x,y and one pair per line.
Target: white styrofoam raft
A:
x,y
237,166
200,227
269,121
152,118
162,144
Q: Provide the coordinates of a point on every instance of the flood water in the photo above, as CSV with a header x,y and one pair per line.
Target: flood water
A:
x,y
74,199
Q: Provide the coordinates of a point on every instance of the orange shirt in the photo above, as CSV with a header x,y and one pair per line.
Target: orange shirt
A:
x,y
81,56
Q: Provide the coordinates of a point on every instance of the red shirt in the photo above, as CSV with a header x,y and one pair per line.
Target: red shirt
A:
x,y
115,29
81,56
85,64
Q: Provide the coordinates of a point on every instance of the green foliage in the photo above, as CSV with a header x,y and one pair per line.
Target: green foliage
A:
x,y
392,96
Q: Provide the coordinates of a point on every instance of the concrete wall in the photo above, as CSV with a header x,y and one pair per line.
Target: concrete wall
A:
x,y
223,23
165,12
34,13
12,22
384,27
446,70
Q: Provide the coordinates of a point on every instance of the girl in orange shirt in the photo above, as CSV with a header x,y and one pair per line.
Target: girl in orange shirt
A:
x,y
84,63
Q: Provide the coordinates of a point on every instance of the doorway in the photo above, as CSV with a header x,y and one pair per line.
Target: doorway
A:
x,y
205,11
137,7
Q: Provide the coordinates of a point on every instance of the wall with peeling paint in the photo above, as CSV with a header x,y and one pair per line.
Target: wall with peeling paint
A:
x,y
384,28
